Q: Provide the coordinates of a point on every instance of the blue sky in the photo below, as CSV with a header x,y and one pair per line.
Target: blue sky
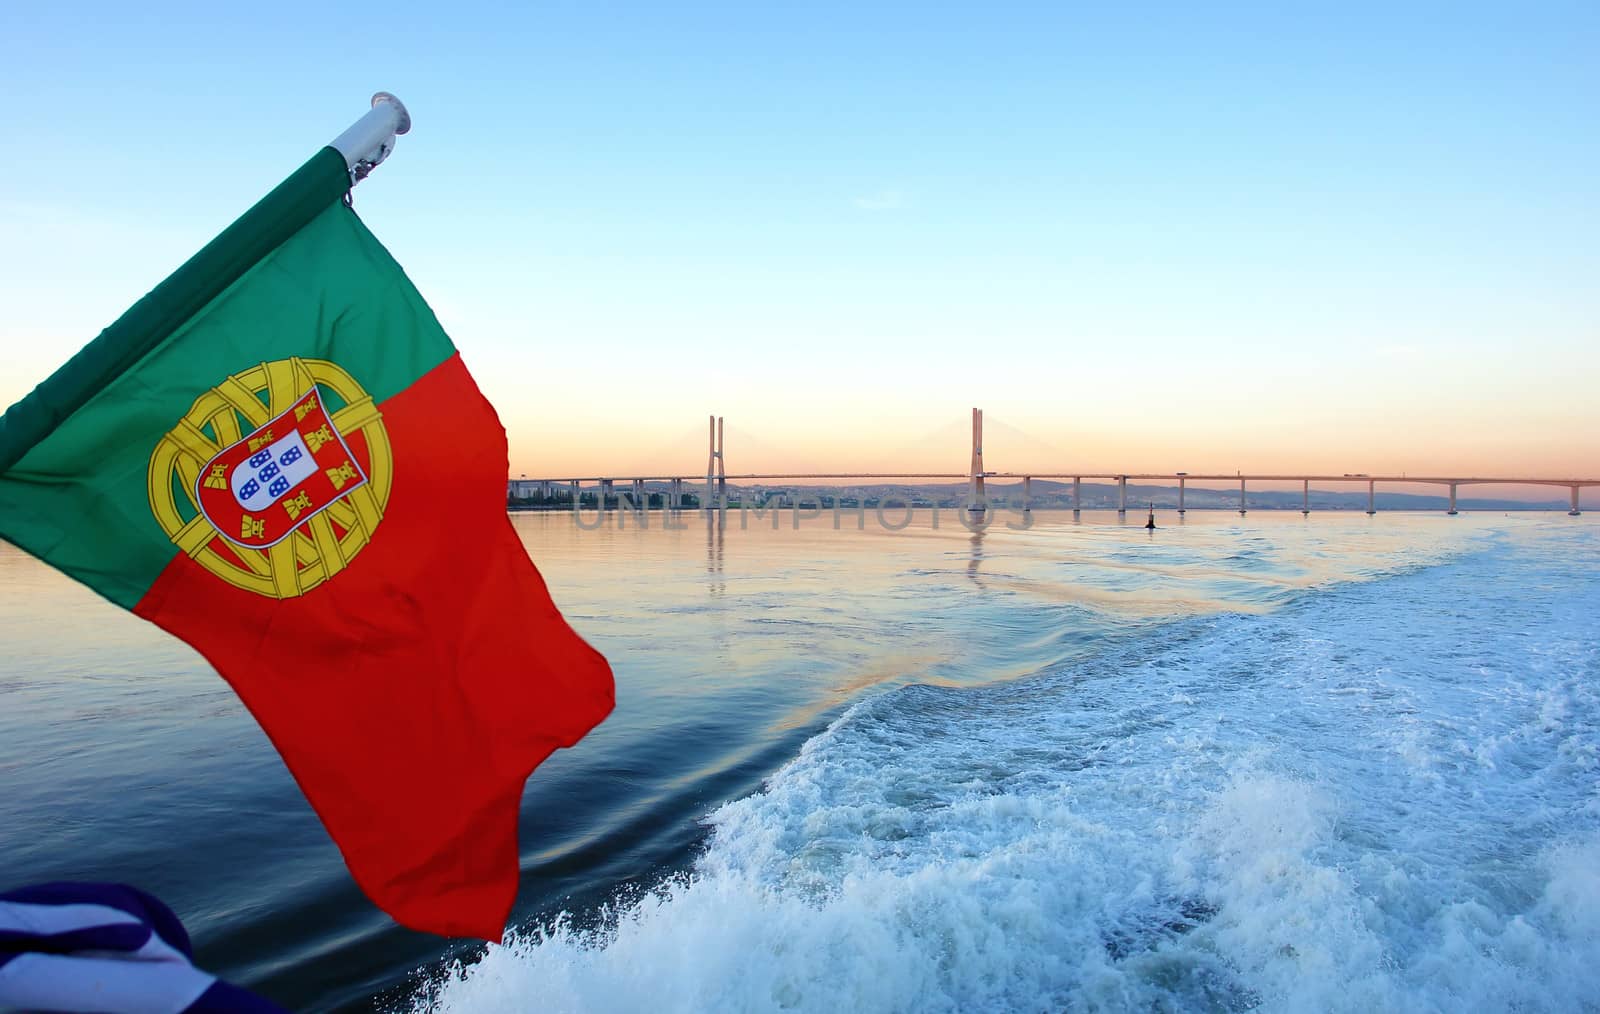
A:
x,y
1352,237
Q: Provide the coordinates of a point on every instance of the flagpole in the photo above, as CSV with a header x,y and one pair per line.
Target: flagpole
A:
x,y
370,140
280,214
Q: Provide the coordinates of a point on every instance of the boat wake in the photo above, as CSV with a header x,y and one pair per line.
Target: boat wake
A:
x,y
1382,796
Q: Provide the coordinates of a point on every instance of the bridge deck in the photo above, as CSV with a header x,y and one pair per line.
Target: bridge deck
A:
x,y
1114,476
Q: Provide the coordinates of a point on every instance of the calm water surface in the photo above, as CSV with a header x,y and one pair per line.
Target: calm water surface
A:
x,y
1271,762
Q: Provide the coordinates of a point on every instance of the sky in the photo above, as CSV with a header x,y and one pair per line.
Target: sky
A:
x,y
1143,237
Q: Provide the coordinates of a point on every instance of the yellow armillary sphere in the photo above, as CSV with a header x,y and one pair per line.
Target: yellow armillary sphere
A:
x,y
217,488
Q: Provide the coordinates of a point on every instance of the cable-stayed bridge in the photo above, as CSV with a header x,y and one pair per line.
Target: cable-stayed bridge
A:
x,y
568,491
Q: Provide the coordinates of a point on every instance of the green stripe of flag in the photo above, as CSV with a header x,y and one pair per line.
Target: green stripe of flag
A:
x,y
150,321
297,275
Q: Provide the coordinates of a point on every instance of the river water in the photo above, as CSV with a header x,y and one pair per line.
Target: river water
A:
x,y
1336,763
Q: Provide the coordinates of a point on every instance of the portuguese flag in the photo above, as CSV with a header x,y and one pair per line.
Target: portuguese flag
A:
x,y
278,456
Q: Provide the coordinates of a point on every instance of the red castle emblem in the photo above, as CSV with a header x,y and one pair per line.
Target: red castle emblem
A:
x,y
258,491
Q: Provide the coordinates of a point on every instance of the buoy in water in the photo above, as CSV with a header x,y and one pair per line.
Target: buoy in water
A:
x,y
1151,524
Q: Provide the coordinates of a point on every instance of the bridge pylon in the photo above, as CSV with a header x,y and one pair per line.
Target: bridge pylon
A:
x,y
716,467
977,498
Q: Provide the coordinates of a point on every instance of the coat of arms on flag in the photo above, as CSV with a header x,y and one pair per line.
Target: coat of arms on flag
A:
x,y
290,454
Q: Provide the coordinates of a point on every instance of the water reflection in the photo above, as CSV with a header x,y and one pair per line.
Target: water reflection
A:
x,y
716,529
975,555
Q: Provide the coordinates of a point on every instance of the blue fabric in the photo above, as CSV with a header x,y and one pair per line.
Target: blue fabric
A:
x,y
147,908
124,937
65,945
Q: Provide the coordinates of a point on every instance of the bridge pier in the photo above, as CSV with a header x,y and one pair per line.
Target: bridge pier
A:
x,y
1574,512
1372,504
1452,509
1305,497
639,501
1181,482
574,496
675,497
1241,498
1122,494
1027,492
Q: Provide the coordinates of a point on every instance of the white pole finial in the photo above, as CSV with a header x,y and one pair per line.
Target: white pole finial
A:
x,y
370,139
